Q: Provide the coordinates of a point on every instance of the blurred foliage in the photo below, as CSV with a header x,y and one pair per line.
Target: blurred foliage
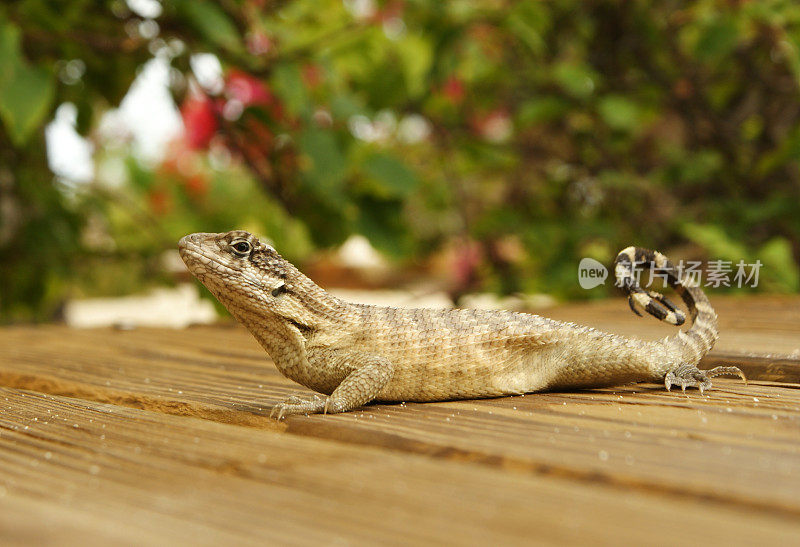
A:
x,y
521,135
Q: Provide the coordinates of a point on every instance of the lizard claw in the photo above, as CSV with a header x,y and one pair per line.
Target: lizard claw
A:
x,y
277,411
691,376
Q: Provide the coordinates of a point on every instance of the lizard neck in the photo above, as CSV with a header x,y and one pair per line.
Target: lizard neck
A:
x,y
284,342
286,338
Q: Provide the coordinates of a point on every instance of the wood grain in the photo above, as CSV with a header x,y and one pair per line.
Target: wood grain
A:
x,y
106,472
155,436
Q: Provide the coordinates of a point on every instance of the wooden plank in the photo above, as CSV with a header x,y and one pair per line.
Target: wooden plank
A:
x,y
107,472
215,373
726,463
689,447
735,444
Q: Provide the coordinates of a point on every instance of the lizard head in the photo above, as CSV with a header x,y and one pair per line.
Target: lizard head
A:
x,y
248,276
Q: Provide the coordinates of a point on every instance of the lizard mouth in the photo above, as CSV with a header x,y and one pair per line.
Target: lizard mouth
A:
x,y
199,263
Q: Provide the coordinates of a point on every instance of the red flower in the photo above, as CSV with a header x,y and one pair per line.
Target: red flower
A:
x,y
196,185
468,256
494,126
391,10
248,90
200,121
160,201
453,89
258,43
312,75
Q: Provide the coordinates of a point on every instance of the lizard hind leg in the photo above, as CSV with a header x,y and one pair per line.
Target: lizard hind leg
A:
x,y
690,376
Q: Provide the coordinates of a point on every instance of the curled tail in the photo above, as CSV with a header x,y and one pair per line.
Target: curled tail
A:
x,y
687,347
700,338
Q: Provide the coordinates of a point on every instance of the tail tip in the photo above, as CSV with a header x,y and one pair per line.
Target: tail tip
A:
x,y
656,305
675,317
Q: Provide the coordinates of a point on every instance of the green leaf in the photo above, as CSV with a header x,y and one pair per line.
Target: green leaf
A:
x,y
780,272
395,178
576,79
381,221
715,240
212,21
9,51
695,168
541,110
529,21
288,84
26,92
717,40
328,165
416,54
343,106
619,112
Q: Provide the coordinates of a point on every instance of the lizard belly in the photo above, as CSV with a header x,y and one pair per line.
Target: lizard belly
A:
x,y
470,373
459,354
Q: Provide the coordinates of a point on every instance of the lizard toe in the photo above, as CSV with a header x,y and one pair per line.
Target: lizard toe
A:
x,y
297,405
726,371
687,376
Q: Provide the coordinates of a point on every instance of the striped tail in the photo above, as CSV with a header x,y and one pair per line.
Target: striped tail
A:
x,y
691,345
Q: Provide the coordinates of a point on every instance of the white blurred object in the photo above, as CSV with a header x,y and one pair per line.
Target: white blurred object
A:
x,y
413,128
497,128
145,8
361,9
357,252
68,154
208,71
176,308
149,112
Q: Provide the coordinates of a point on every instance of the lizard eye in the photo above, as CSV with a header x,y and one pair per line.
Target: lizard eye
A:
x,y
241,248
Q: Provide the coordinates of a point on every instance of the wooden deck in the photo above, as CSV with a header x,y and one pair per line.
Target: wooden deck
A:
x,y
163,437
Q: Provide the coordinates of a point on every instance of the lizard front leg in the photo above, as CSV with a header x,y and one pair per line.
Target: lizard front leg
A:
x,y
366,375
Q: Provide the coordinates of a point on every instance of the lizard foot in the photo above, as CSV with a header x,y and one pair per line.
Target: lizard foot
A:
x,y
691,376
296,405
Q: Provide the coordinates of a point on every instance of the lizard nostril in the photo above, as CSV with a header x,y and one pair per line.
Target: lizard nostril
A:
x,y
190,239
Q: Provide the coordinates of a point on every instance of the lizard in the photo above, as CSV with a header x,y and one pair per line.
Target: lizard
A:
x,y
355,353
